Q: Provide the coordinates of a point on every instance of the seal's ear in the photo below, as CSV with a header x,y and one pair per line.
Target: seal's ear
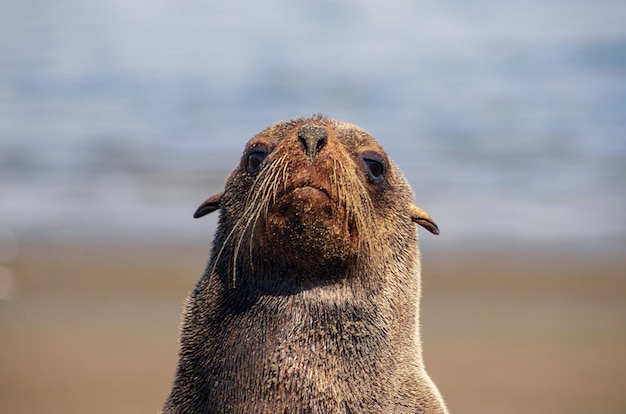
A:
x,y
210,205
422,218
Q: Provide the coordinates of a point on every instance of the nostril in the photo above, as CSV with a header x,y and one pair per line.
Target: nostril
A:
x,y
313,139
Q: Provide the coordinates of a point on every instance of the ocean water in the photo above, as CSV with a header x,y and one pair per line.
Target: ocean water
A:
x,y
118,118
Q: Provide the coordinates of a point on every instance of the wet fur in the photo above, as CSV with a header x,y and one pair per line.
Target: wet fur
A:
x,y
313,312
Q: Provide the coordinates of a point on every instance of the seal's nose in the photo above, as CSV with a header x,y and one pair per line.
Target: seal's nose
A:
x,y
313,138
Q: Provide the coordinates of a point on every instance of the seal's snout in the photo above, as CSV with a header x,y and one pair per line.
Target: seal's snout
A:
x,y
313,139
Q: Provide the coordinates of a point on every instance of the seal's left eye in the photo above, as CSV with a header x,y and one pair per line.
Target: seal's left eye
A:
x,y
254,161
375,168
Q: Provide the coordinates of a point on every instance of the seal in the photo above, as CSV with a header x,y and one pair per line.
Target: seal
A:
x,y
310,299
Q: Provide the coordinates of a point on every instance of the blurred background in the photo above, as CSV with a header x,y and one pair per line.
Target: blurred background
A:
x,y
117,118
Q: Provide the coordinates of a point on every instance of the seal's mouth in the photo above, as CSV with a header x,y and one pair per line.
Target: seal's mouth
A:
x,y
305,191
310,191
301,204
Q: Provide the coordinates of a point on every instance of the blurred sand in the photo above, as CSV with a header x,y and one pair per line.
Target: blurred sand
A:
x,y
93,329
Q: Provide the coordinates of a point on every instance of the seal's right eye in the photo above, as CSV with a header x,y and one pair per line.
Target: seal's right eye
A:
x,y
254,160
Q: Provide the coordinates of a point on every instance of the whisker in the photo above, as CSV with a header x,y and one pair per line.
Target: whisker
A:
x,y
258,198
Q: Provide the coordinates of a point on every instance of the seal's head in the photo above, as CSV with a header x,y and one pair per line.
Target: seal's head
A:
x,y
309,202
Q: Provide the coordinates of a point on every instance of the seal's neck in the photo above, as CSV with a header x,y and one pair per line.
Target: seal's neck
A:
x,y
285,344
323,342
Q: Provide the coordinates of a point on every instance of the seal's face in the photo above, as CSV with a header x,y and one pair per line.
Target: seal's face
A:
x,y
311,197
312,184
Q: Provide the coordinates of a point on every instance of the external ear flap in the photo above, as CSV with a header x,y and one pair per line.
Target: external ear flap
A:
x,y
422,218
210,205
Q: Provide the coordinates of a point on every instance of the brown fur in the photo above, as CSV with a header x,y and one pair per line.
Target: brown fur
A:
x,y
310,300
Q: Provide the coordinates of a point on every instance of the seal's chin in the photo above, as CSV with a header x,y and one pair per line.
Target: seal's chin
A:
x,y
305,229
303,206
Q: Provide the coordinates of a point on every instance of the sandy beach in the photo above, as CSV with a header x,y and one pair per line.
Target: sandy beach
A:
x,y
92,328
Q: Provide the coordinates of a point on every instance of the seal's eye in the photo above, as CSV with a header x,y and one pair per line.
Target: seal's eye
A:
x,y
375,167
254,160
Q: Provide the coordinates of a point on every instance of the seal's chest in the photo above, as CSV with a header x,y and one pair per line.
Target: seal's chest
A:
x,y
300,353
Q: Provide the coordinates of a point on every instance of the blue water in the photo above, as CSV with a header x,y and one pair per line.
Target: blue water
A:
x,y
117,118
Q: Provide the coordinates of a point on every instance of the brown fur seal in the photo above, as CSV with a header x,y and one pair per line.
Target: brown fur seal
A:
x,y
309,303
